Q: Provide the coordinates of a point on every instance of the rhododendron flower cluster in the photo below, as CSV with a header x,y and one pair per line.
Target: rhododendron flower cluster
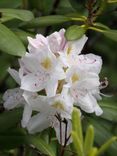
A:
x,y
53,77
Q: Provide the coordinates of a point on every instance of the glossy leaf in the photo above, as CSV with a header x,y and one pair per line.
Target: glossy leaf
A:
x,y
10,43
74,32
41,146
23,15
46,21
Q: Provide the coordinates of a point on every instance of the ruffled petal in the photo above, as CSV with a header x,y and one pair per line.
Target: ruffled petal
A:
x,y
13,98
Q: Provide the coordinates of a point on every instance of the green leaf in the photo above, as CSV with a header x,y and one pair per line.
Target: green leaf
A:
x,y
44,6
9,119
112,34
74,32
102,133
46,21
76,124
78,5
12,139
23,35
100,25
109,111
89,139
10,43
41,146
10,3
23,15
105,146
77,144
93,151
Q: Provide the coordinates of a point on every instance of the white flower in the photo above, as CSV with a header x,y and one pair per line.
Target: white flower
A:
x,y
41,71
14,98
71,51
54,66
49,108
83,87
54,42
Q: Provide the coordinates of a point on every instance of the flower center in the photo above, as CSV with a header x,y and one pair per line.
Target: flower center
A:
x,y
75,77
47,64
58,105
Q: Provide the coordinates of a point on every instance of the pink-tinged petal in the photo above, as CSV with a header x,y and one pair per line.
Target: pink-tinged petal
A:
x,y
13,98
15,75
57,41
38,123
91,62
26,115
34,82
37,44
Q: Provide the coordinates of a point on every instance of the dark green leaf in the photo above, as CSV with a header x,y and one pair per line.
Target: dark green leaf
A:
x,y
23,15
100,25
10,43
45,6
74,32
10,3
109,111
77,4
12,139
46,21
9,119
112,34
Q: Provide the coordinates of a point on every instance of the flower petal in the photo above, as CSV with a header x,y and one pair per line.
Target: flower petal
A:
x,y
33,82
38,44
38,123
51,87
26,115
13,98
56,41
15,75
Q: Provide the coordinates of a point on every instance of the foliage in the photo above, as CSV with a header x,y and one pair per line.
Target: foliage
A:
x,y
19,19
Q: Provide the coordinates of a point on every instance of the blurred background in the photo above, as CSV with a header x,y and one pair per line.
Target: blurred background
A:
x,y
97,44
